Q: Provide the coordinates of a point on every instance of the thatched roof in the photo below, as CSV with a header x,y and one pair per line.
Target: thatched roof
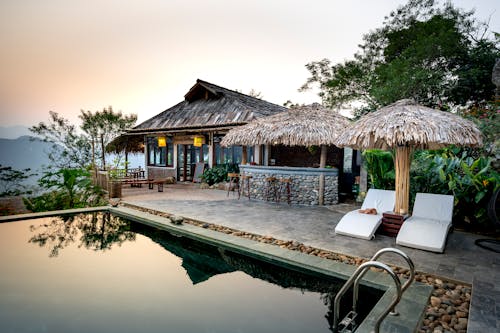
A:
x,y
303,126
407,123
127,143
207,105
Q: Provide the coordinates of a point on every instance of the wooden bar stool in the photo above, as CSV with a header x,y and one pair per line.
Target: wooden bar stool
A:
x,y
271,188
241,189
285,186
234,180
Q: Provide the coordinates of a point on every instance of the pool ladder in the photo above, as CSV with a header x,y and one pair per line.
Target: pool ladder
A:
x,y
348,324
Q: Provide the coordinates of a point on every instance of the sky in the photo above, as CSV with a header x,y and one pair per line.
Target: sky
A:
x,y
142,56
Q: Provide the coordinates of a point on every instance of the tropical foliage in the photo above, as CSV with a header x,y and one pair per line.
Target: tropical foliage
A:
x,y
65,189
472,181
218,173
380,167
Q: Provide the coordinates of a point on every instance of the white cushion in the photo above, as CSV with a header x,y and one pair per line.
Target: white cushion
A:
x,y
424,234
433,206
429,225
381,200
356,224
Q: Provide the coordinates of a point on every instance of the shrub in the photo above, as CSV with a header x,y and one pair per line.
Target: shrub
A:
x,y
460,172
218,173
472,181
380,168
65,189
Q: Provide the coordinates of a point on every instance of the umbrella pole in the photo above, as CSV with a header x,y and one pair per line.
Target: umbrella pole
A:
x,y
402,166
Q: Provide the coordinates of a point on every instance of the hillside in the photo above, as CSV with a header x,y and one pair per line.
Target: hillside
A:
x,y
13,132
22,153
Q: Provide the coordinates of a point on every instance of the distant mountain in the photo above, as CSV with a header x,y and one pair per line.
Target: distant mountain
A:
x,y
14,132
23,153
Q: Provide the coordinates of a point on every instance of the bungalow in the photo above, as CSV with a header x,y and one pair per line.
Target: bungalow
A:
x,y
190,132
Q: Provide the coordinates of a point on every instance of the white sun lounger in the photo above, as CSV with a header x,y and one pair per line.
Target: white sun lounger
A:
x,y
428,227
356,224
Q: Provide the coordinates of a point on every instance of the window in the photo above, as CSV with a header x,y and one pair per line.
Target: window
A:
x,y
232,154
160,156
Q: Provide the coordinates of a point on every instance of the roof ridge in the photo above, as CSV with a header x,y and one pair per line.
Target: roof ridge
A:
x,y
236,92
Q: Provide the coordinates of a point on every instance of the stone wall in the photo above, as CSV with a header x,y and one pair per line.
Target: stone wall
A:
x,y
304,184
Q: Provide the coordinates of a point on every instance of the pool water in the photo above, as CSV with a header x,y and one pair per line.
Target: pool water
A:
x,y
99,273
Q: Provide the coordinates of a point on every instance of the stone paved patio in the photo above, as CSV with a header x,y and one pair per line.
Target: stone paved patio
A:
x,y
314,226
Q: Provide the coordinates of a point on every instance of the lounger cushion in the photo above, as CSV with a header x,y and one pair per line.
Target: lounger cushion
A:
x,y
428,228
356,224
423,234
381,200
433,206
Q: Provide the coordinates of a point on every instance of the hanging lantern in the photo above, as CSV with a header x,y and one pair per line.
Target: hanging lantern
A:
x,y
198,141
162,141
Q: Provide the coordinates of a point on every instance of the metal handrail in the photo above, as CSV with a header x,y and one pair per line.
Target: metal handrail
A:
x,y
375,257
362,269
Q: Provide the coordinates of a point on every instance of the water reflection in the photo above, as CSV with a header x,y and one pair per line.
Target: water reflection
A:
x,y
201,261
97,231
102,231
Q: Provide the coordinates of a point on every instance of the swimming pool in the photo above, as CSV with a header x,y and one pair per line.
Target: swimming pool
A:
x,y
100,273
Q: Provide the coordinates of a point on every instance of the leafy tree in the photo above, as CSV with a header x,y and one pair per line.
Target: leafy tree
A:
x,y
11,181
487,118
440,56
69,149
102,127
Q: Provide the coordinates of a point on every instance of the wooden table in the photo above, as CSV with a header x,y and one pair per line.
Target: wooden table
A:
x,y
391,223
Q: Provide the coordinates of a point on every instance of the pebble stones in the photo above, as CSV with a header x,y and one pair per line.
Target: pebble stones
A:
x,y
448,307
175,219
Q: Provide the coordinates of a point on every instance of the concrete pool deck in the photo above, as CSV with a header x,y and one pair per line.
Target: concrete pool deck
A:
x,y
314,226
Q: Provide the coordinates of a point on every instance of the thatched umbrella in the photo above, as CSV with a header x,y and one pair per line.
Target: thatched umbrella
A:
x,y
128,144
405,126
311,125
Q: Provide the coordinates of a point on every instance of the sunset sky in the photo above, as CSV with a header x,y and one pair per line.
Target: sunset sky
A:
x,y
142,56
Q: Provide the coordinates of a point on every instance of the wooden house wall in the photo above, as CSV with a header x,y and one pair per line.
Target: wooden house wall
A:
x,y
297,156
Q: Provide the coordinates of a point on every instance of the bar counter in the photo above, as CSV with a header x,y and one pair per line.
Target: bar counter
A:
x,y
304,183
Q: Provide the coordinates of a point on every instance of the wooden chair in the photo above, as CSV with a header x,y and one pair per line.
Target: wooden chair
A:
x,y
234,180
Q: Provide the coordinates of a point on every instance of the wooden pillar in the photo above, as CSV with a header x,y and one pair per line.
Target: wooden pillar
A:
x,y
402,166
322,164
211,150
257,153
244,154
267,155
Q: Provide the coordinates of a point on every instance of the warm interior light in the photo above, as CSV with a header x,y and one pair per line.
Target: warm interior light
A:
x,y
162,141
198,141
